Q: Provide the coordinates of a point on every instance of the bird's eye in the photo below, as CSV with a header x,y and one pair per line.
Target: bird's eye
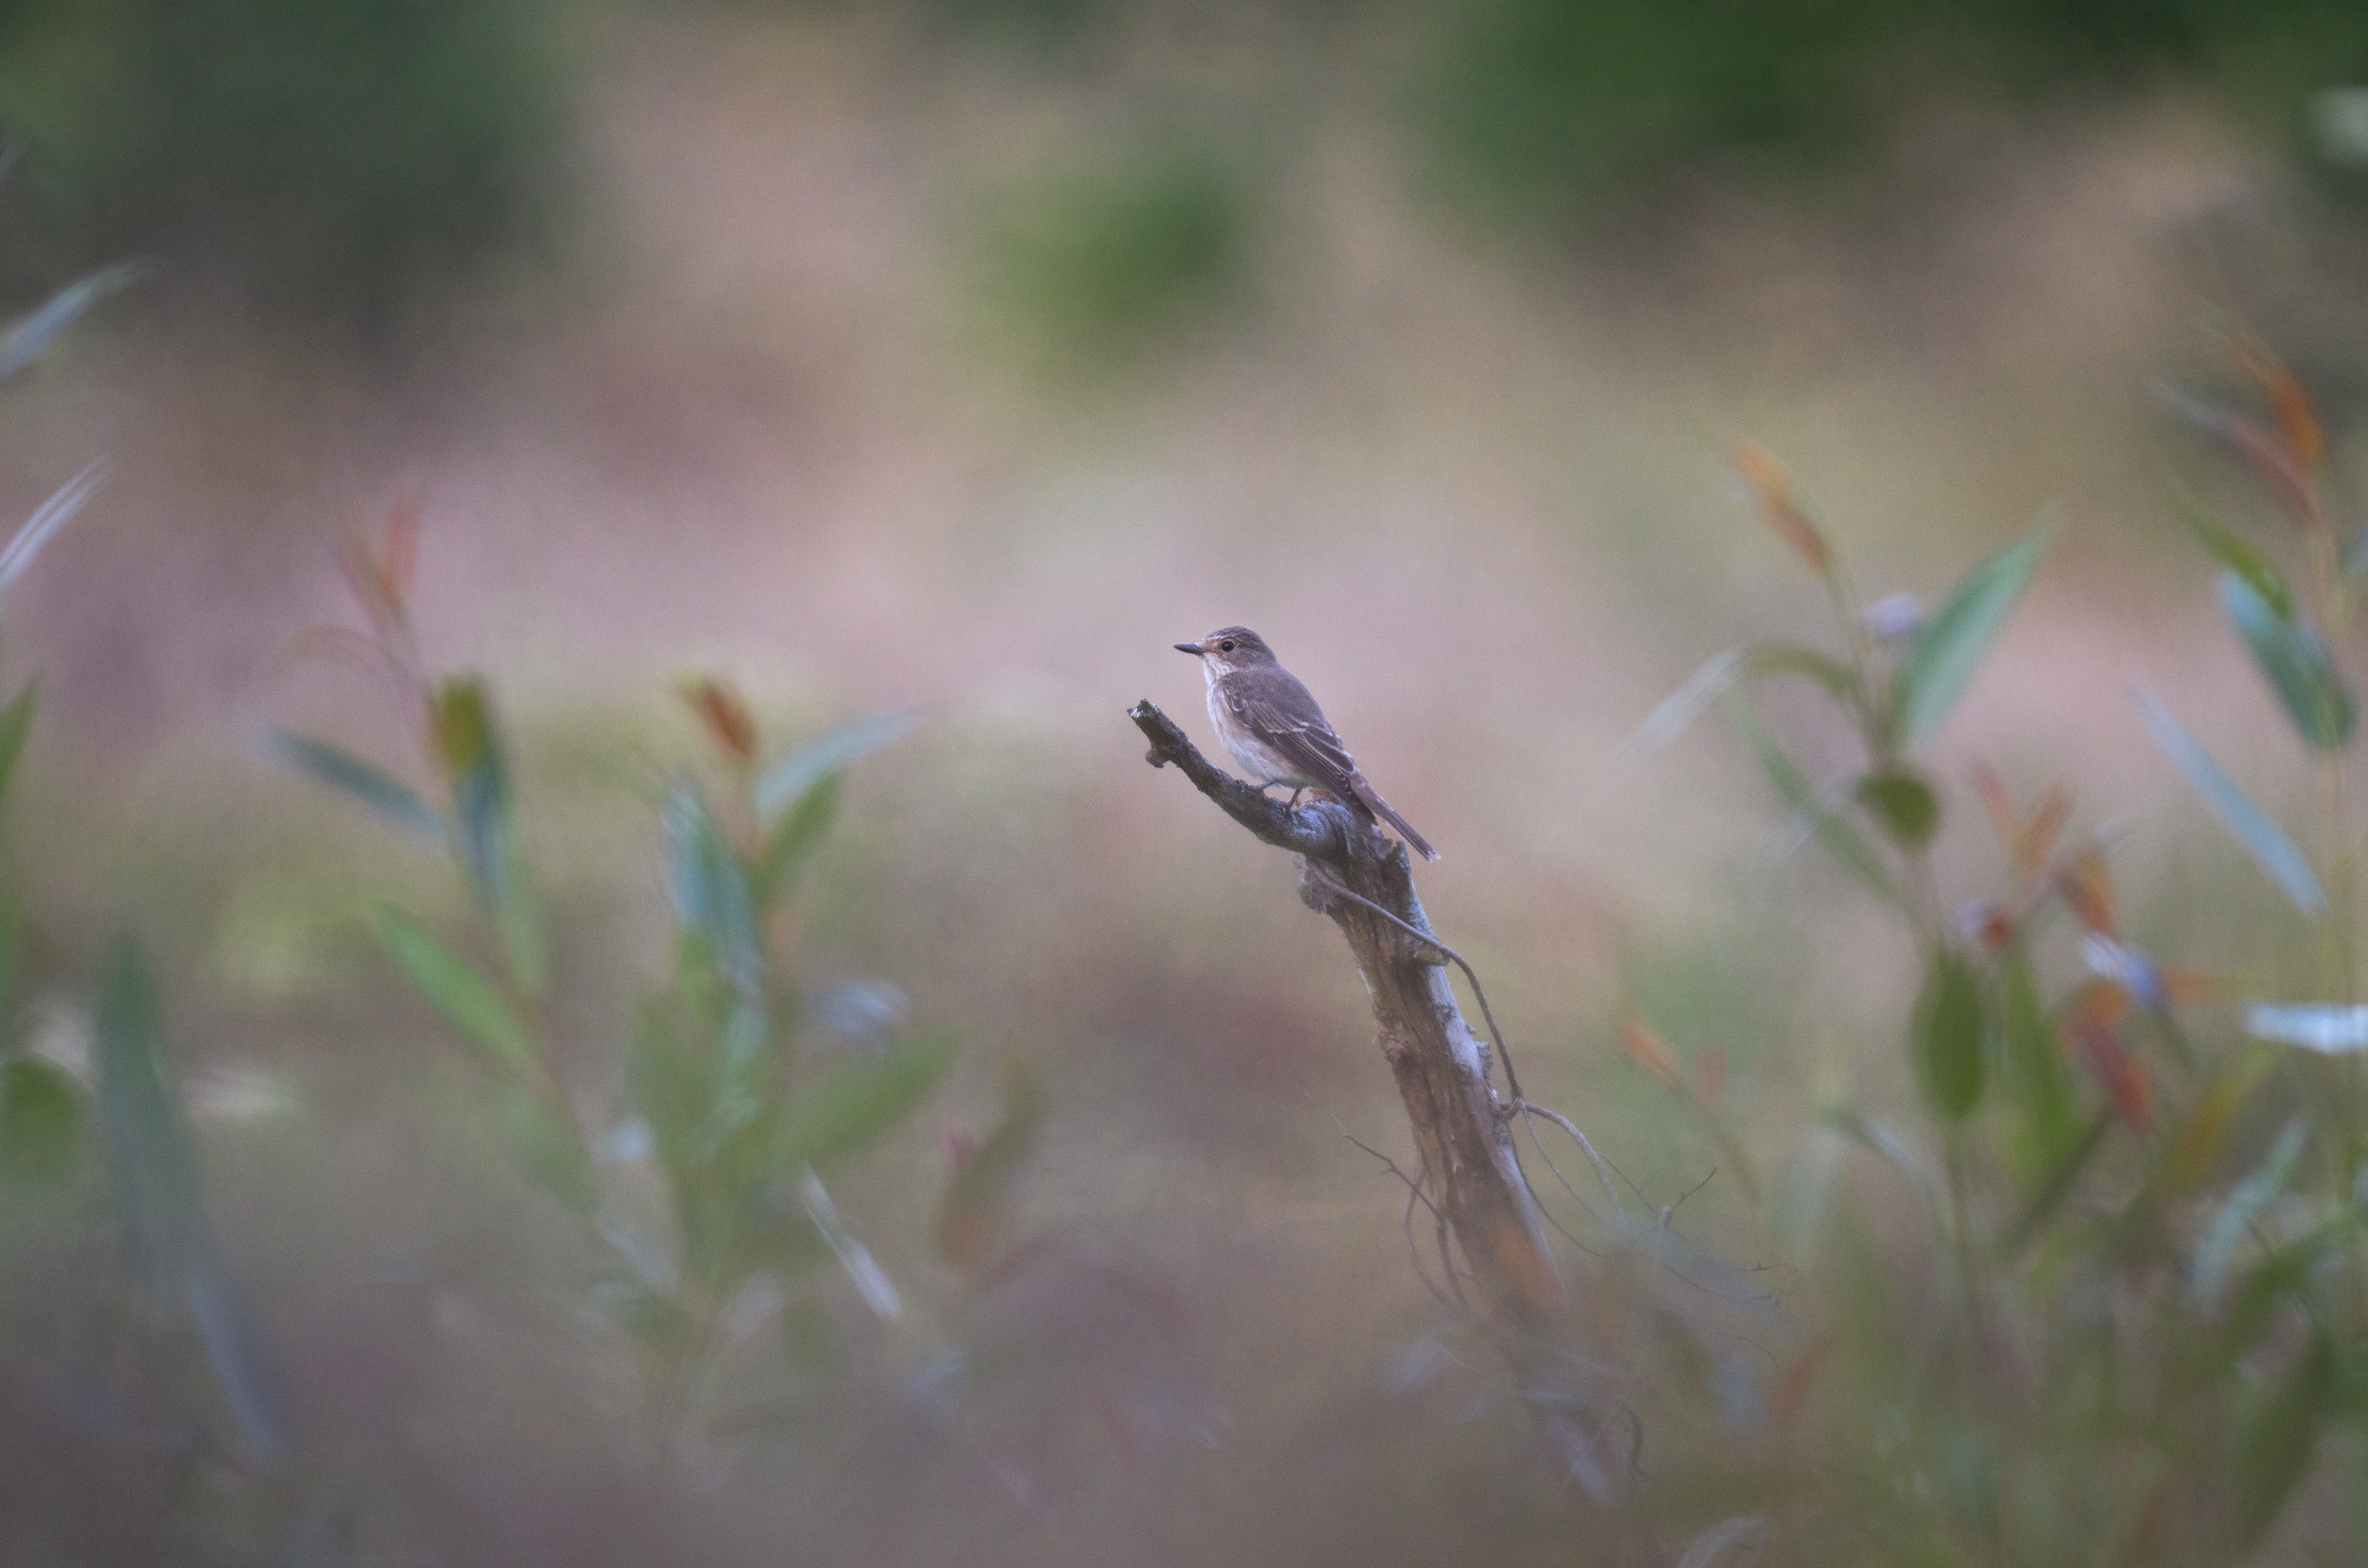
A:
x,y
1226,646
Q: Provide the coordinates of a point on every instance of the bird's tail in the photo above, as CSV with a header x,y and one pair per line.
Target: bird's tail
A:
x,y
1371,799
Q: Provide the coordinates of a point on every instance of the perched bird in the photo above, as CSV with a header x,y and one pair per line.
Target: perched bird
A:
x,y
1278,734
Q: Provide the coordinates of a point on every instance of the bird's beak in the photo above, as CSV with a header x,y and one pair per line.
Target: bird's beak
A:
x,y
1188,647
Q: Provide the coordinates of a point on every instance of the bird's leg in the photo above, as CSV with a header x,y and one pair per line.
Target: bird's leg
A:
x,y
1292,804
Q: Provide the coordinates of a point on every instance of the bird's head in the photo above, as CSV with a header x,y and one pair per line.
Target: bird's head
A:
x,y
1231,647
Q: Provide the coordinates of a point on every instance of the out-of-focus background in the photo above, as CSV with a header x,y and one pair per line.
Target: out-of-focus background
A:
x,y
966,355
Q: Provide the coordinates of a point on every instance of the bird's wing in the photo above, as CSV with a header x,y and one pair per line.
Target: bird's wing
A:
x,y
1287,719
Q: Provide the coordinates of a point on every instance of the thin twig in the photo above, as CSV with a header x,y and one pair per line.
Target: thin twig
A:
x,y
1602,1174
1414,1195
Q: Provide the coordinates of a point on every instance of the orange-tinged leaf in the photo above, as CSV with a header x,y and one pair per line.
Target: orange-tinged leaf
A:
x,y
1710,1073
2086,886
1648,1051
1988,924
1791,1394
2100,1003
725,714
2119,1070
2294,415
2183,986
1759,468
2005,821
2036,839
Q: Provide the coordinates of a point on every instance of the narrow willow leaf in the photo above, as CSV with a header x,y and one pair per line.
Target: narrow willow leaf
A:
x,y
152,1170
2295,660
376,788
849,1108
545,1147
468,1001
1950,645
871,1281
831,753
42,1125
2238,555
2271,849
1721,672
1948,1036
43,524
2056,1187
15,725
2267,1184
1902,804
1845,841
796,837
710,895
29,337
2329,1028
1743,1530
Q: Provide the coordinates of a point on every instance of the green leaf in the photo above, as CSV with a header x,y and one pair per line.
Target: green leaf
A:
x,y
796,837
2055,1187
2275,1448
152,1171
2295,660
1951,644
29,337
849,1108
43,1124
1948,1036
2033,1081
1902,804
2271,849
710,892
2238,556
2264,1186
1842,841
391,798
469,1002
16,724
801,769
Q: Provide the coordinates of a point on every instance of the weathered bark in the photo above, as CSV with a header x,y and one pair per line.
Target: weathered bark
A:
x,y
1461,1129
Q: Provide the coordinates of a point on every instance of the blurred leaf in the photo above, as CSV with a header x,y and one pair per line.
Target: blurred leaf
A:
x,y
2291,655
1840,838
1718,675
29,337
2294,415
1948,1036
795,835
871,1281
800,771
547,1149
2271,462
1648,1051
2263,1186
2053,1189
2238,555
1894,1145
977,1215
1778,506
2032,1076
1950,645
43,524
2119,1071
726,714
846,1109
1903,804
466,738
468,1001
2202,1137
2329,1028
2275,1448
709,894
41,1124
2085,884
393,799
152,1178
2270,849
15,725
657,1321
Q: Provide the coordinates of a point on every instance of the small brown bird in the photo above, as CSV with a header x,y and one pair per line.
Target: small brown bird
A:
x,y
1274,730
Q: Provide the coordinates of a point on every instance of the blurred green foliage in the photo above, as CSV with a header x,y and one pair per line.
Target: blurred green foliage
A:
x,y
1541,111
330,159
1086,266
